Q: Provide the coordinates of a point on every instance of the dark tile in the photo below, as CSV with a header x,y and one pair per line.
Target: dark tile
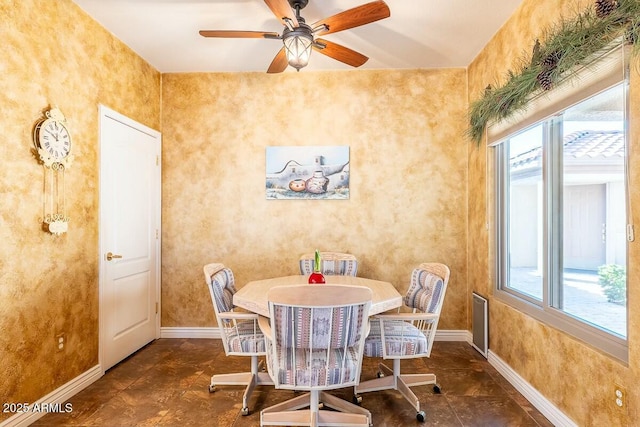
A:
x,y
389,409
490,411
469,382
451,355
134,408
166,383
82,407
168,376
195,408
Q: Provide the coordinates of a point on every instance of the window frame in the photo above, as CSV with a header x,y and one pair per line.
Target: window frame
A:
x,y
545,310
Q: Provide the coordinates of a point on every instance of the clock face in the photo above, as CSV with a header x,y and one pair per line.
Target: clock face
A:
x,y
54,138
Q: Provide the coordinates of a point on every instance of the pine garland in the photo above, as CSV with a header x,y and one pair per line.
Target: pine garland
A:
x,y
567,45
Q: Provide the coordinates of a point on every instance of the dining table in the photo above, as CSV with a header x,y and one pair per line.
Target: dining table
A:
x,y
253,295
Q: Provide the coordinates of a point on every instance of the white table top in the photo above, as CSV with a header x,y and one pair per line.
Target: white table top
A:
x,y
253,295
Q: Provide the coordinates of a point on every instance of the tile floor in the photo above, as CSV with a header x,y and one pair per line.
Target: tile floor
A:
x,y
166,384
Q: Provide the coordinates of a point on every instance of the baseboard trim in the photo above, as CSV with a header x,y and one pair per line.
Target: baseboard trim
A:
x,y
453,335
542,404
213,332
189,332
54,400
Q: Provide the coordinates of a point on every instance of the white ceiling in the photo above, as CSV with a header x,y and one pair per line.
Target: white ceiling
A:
x,y
419,33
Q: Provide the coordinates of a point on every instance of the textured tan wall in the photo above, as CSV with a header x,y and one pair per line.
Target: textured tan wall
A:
x,y
408,178
52,53
575,377
408,194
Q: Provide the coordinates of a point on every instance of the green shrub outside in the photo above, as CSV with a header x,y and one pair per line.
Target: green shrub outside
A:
x,y
613,279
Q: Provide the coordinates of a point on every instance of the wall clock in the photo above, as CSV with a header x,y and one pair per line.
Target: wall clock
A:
x,y
52,139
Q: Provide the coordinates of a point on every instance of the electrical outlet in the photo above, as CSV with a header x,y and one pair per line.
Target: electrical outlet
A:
x,y
61,340
620,396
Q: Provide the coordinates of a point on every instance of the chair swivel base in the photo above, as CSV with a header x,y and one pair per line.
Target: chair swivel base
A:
x,y
248,379
290,413
388,379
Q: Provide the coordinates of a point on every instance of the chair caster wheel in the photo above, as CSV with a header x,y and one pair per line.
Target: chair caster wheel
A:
x,y
212,388
436,389
357,399
244,412
380,374
420,416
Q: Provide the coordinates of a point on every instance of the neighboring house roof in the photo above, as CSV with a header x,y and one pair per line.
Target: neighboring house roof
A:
x,y
594,144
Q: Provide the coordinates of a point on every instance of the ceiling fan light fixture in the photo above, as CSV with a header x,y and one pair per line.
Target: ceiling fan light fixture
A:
x,y
298,46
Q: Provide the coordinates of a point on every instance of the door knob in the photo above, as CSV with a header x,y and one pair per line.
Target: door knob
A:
x,y
111,256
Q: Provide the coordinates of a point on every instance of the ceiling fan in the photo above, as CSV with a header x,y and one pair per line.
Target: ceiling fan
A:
x,y
299,38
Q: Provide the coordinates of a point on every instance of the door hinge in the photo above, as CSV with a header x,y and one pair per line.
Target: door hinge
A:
x,y
157,160
156,234
156,308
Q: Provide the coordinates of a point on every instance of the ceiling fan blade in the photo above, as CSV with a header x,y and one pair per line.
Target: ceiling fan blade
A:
x,y
239,34
361,15
341,53
282,9
279,63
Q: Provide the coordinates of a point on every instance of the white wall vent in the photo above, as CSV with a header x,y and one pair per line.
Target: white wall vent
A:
x,y
480,324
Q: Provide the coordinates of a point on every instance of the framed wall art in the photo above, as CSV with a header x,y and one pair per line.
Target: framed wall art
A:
x,y
313,172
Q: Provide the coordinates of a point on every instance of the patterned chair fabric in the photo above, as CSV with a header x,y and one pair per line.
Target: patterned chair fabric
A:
x,y
405,335
401,339
424,291
241,335
315,343
341,367
223,287
333,264
404,338
244,337
318,346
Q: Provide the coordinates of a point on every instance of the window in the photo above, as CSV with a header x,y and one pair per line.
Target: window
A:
x,y
561,220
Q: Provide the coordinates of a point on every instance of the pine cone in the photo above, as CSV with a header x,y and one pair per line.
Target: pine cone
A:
x,y
544,79
551,60
605,7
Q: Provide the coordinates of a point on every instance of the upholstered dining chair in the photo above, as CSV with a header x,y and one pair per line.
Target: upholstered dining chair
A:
x,y
241,335
315,344
405,335
333,263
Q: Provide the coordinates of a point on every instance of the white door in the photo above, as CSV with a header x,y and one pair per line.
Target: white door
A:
x,y
584,222
129,236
